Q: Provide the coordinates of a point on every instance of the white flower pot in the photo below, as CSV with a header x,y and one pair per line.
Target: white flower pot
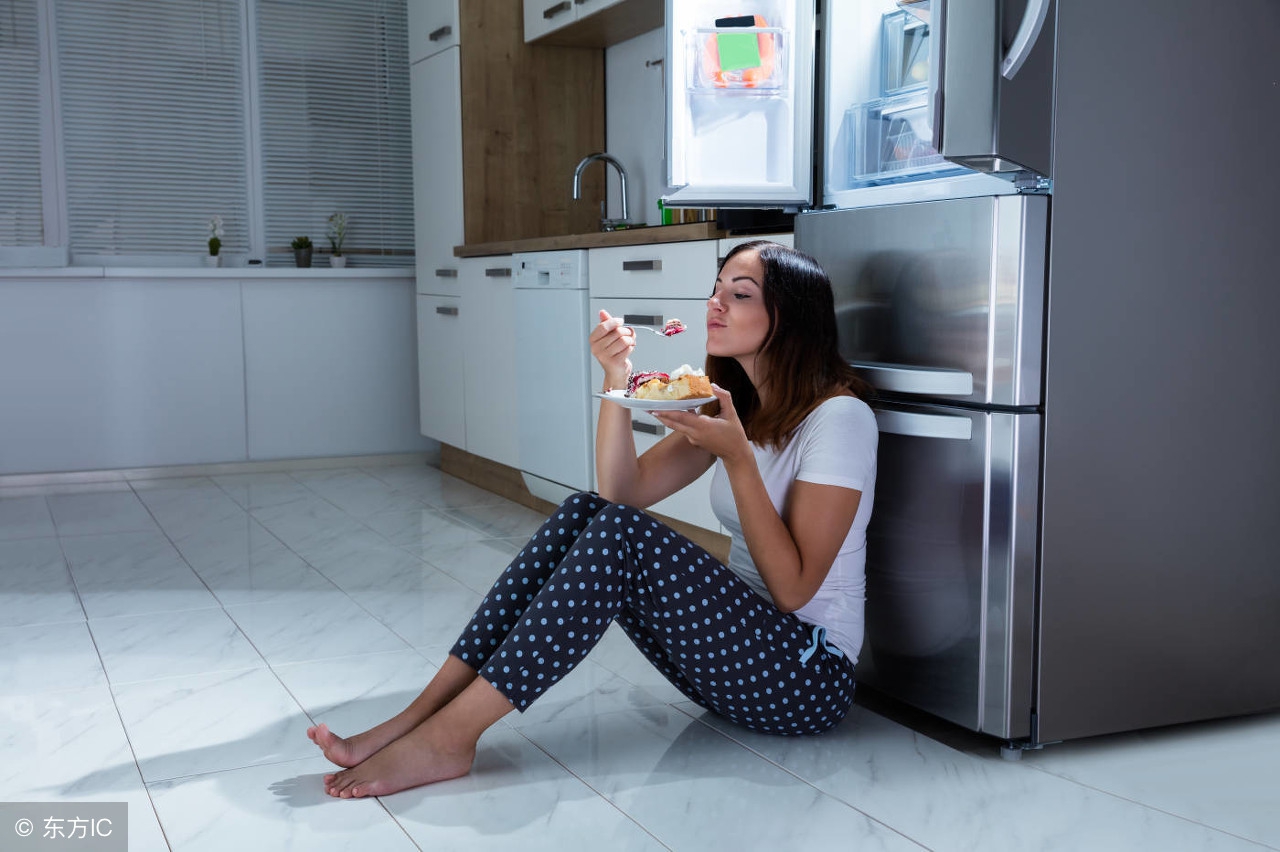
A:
x,y
337,261
213,260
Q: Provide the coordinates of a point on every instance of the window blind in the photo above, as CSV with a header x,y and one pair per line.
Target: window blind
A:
x,y
153,121
335,128
21,191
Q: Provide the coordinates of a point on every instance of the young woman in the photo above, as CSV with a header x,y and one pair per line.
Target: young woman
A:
x,y
769,640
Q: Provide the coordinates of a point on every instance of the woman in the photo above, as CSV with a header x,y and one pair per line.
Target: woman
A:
x,y
768,641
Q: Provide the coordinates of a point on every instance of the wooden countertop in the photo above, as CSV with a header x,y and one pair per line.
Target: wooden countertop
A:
x,y
600,239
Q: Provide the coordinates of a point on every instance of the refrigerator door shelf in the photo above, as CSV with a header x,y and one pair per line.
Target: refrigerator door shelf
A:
x,y
951,565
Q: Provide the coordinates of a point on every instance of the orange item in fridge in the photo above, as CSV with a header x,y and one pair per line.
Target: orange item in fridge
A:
x,y
745,77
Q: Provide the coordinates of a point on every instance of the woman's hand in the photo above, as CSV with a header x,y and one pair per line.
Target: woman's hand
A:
x,y
722,435
611,345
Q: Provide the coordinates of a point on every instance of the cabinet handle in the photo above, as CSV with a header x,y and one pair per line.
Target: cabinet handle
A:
x,y
580,2
641,266
443,32
551,11
643,319
498,272
648,428
446,273
446,311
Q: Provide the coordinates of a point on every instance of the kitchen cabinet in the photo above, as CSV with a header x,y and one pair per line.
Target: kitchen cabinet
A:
x,y
590,23
433,27
436,109
441,376
648,285
489,353
666,270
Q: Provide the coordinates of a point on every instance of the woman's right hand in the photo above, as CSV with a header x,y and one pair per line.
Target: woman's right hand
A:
x,y
611,345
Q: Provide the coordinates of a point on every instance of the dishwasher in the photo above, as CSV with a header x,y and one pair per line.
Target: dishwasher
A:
x,y
553,379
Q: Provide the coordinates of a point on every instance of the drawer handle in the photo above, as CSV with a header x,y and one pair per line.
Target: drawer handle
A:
x,y
551,11
498,272
446,273
643,319
443,32
446,311
648,428
641,266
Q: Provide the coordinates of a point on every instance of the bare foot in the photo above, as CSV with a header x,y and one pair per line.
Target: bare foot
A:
x,y
342,751
419,757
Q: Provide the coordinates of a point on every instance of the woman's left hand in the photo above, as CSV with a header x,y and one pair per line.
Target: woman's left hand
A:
x,y
722,435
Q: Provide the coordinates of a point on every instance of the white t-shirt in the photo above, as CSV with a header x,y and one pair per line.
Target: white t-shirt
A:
x,y
834,445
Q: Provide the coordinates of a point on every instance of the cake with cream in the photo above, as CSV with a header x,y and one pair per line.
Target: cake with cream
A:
x,y
683,383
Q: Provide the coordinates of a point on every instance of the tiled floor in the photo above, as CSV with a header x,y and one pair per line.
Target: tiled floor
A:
x,y
167,642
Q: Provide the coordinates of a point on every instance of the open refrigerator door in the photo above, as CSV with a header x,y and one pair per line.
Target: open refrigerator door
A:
x,y
740,86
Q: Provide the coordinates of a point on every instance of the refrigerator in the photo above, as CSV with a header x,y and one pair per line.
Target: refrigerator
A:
x,y
1050,264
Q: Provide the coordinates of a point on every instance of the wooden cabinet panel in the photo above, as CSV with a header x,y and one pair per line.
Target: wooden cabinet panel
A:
x,y
530,112
441,390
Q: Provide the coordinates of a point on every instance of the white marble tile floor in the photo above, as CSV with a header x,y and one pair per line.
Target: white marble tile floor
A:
x,y
166,642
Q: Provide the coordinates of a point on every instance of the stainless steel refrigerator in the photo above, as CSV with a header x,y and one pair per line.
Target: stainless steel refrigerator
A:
x,y
1054,261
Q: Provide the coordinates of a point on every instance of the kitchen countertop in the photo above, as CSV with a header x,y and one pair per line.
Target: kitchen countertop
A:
x,y
600,239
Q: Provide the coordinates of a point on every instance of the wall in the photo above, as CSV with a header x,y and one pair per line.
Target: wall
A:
x,y
635,123
105,369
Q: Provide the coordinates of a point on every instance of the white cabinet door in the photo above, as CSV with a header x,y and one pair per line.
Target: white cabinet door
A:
x,y
436,105
544,16
433,26
441,392
489,327
692,504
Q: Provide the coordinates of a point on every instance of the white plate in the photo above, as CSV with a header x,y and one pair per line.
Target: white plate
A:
x,y
621,398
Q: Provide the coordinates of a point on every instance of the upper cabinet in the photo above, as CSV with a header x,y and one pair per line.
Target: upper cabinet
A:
x,y
589,23
433,26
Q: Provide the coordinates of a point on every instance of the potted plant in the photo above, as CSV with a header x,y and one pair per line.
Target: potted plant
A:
x,y
215,242
337,234
302,252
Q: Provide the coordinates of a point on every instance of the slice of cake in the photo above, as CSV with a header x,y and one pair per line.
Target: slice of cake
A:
x,y
684,383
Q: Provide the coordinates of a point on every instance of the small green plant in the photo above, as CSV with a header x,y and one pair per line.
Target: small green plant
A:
x,y
215,236
300,243
337,232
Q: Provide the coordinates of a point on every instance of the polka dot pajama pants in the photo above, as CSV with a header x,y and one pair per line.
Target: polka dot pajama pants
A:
x,y
715,639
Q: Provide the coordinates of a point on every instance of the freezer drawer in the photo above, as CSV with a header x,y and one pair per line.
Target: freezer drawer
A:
x,y
951,555
941,298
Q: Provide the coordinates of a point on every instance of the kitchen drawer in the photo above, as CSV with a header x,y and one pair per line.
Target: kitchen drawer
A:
x,y
664,271
433,26
692,504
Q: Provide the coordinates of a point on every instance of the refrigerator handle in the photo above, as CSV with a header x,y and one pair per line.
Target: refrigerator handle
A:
x,y
1026,38
915,381
912,425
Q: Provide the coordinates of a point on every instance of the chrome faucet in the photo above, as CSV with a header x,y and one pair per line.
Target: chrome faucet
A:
x,y
606,224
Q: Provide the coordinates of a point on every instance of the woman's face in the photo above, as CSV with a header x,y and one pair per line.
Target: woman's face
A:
x,y
737,319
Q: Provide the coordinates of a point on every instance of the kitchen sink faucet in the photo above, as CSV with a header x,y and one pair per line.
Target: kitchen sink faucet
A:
x,y
606,224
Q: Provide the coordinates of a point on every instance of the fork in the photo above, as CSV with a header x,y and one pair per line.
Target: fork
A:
x,y
654,324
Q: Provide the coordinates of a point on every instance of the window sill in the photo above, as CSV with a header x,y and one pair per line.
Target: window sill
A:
x,y
233,273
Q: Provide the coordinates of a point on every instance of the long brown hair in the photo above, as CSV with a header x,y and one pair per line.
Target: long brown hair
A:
x,y
800,353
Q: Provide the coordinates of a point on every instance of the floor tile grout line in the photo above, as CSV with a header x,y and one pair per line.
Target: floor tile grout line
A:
x,y
1147,806
584,782
803,780
115,704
